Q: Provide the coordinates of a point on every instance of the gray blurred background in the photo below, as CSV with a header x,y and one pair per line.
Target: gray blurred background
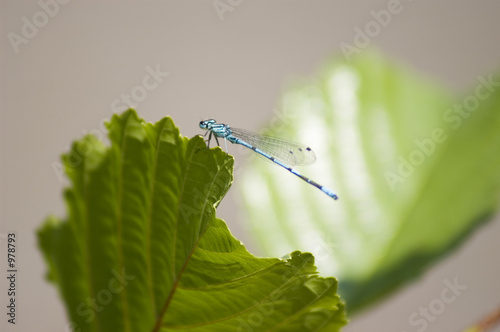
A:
x,y
66,67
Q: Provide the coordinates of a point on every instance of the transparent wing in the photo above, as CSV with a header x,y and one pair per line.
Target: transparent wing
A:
x,y
288,152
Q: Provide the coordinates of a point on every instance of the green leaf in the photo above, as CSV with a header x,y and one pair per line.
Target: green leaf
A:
x,y
142,250
416,171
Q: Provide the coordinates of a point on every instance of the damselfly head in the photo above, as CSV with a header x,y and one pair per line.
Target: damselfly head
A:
x,y
206,124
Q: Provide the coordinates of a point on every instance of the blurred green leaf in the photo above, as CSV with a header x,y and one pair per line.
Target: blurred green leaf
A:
x,y
142,250
416,170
